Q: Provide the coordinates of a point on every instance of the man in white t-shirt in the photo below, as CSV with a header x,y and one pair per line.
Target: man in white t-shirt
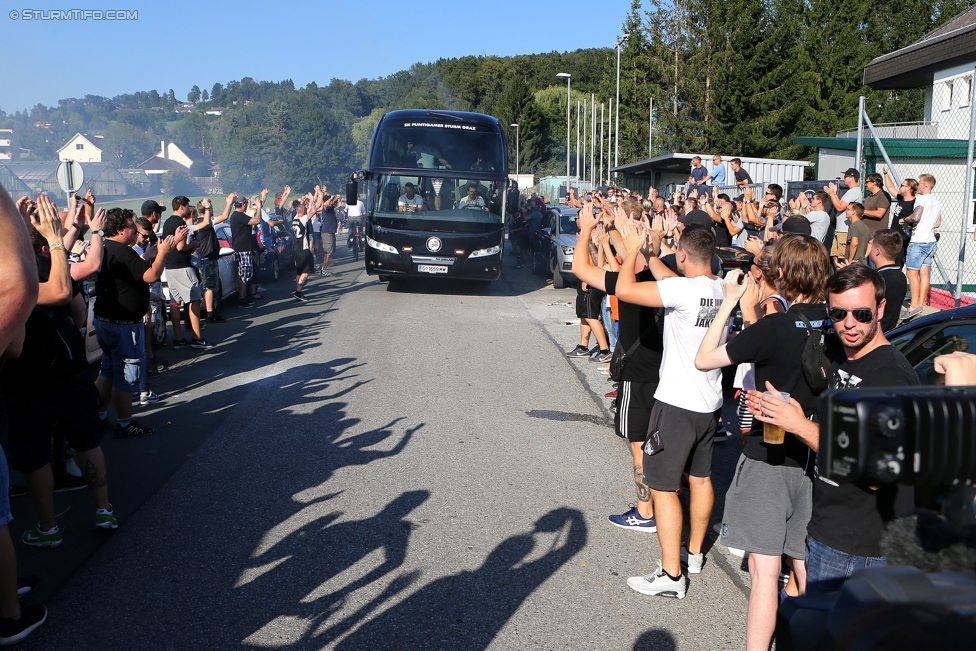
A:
x,y
921,249
688,401
852,193
409,201
473,200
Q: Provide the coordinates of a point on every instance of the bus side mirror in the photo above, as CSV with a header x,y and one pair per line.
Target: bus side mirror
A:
x,y
352,192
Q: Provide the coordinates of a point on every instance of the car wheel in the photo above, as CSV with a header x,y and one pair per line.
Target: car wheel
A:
x,y
159,333
557,278
275,270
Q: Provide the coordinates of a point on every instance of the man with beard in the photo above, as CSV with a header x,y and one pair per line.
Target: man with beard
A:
x,y
844,534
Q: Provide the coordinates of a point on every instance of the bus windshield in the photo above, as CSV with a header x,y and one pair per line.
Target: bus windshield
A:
x,y
437,143
436,203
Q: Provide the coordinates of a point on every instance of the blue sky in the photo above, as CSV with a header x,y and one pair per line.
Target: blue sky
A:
x,y
176,43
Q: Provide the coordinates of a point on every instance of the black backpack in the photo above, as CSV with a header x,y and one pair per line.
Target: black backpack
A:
x,y
813,358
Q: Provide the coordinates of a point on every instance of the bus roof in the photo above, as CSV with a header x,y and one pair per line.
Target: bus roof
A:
x,y
419,114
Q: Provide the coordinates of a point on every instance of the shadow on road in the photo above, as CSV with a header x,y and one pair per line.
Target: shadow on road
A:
x,y
655,639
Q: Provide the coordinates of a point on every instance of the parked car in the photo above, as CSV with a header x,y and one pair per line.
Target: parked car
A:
x,y
927,337
280,257
552,253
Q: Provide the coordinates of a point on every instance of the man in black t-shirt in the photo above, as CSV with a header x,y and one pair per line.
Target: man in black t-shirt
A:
x,y
642,343
209,251
741,176
123,300
181,276
884,251
245,247
848,520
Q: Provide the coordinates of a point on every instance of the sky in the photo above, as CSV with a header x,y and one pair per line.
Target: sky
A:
x,y
178,43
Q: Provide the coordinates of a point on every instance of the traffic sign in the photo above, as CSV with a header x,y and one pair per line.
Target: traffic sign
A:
x,y
71,176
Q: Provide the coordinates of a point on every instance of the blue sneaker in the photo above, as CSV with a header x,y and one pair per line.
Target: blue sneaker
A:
x,y
632,520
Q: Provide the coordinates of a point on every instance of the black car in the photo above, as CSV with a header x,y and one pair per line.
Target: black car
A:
x,y
281,256
927,337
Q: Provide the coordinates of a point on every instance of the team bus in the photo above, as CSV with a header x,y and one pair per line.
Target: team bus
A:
x,y
435,195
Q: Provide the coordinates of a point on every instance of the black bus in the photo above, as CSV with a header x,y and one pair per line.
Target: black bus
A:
x,y
435,191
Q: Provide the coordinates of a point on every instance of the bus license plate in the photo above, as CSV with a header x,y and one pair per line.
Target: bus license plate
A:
x,y
431,269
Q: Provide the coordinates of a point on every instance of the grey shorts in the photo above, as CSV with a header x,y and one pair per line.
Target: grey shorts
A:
x,y
687,437
184,285
767,509
328,242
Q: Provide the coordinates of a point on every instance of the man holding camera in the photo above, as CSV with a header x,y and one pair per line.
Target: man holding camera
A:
x,y
848,520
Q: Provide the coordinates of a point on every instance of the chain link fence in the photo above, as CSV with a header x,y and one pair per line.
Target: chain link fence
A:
x,y
930,137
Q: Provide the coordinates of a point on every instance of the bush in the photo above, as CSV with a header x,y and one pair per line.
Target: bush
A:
x,y
200,168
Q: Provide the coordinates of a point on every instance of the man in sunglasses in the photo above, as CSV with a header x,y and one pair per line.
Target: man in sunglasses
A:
x,y
844,534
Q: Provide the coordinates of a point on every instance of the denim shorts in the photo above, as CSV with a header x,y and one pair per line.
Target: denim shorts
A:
x,y
123,349
920,255
827,568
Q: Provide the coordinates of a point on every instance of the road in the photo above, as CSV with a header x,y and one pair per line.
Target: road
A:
x,y
406,466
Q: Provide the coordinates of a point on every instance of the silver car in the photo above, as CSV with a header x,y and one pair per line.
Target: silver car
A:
x,y
552,251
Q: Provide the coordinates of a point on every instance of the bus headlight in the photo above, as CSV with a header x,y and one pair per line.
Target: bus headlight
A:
x,y
379,246
481,253
568,250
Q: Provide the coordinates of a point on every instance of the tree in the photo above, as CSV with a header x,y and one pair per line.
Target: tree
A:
x,y
177,181
206,95
194,95
126,146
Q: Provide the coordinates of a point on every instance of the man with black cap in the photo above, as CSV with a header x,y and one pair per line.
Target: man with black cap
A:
x,y
852,193
153,211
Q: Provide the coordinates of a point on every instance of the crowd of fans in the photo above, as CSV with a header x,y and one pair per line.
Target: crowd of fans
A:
x,y
53,413
650,265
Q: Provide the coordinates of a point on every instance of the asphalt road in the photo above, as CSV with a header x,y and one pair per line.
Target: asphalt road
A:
x,y
406,466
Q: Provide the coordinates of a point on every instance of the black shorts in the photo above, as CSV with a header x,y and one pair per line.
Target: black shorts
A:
x,y
582,303
594,306
32,420
687,437
635,400
304,262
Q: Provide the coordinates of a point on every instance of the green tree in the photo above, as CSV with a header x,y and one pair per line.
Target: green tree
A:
x,y
194,95
126,146
179,182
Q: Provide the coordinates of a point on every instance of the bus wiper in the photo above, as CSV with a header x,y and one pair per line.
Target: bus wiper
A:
x,y
438,114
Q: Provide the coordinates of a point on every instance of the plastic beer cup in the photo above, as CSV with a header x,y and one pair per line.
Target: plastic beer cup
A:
x,y
774,434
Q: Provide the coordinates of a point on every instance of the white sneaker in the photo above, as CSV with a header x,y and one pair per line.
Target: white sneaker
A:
x,y
693,562
659,583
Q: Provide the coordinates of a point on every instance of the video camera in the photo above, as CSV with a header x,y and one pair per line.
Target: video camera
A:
x,y
920,436
925,436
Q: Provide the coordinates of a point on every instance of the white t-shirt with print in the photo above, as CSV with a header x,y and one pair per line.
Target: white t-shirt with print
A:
x,y
924,232
690,307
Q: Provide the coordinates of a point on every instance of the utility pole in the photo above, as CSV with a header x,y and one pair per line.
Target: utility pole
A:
x,y
616,141
569,81
603,122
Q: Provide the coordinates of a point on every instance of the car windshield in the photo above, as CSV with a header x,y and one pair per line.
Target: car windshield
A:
x,y
438,143
436,202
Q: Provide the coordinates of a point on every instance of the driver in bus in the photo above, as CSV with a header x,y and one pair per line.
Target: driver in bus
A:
x,y
473,200
429,157
409,201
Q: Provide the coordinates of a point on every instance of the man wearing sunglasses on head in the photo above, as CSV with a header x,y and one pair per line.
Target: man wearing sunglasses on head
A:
x,y
844,534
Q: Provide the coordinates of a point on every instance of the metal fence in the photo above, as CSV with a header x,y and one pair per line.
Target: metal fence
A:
x,y
936,139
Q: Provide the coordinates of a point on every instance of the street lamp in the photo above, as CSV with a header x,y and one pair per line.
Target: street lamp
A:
x,y
616,136
569,82
516,148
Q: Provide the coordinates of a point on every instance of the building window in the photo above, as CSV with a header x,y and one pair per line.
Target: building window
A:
x,y
965,90
79,145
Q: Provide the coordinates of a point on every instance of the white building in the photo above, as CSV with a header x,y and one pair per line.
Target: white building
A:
x,y
81,149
